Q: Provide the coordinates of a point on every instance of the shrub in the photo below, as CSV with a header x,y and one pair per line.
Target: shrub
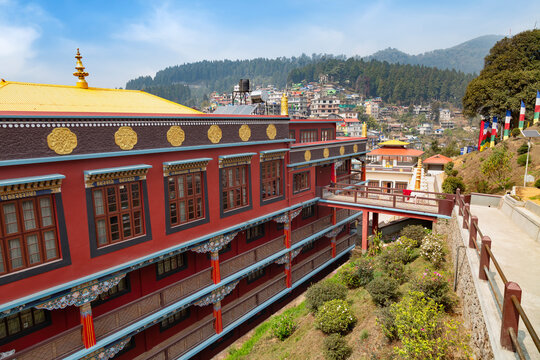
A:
x,y
375,244
482,186
451,184
387,321
414,232
522,160
537,184
435,287
432,249
392,261
383,290
448,167
515,132
336,348
283,326
322,292
522,149
422,332
358,273
364,334
335,316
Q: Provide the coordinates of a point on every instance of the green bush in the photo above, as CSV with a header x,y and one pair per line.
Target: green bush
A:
x,y
451,184
358,273
335,316
383,290
448,167
392,261
435,287
523,149
537,184
515,133
283,326
364,334
414,232
522,160
482,186
432,249
322,292
387,321
336,348
422,332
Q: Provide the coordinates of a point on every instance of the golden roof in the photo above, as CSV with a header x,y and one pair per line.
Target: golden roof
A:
x,y
394,143
39,98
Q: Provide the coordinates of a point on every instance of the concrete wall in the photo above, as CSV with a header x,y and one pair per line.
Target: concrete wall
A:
x,y
533,207
485,199
470,304
519,213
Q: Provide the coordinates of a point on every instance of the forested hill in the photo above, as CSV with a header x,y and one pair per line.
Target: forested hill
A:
x,y
395,83
467,57
222,75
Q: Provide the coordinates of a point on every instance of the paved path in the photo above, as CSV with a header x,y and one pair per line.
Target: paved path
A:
x,y
519,257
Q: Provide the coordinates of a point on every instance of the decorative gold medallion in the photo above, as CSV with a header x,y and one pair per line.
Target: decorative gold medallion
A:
x,y
307,155
342,150
326,153
125,137
244,132
271,131
175,135
355,148
214,134
62,141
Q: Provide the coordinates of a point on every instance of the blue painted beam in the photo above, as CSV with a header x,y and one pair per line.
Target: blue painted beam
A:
x,y
116,169
31,179
180,162
326,159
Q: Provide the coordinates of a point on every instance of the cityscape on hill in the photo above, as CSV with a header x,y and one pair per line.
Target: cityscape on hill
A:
x,y
239,199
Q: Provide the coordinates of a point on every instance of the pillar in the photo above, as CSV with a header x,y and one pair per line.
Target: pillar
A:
x,y
375,223
510,314
87,322
334,216
288,277
214,261
287,232
363,170
365,224
218,323
333,243
333,177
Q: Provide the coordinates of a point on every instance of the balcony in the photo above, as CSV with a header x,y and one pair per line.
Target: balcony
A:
x,y
69,341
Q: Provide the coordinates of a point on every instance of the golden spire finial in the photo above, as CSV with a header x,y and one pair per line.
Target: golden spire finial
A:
x,y
284,105
364,129
81,83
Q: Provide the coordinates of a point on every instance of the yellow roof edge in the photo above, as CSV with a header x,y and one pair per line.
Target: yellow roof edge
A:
x,y
394,142
65,86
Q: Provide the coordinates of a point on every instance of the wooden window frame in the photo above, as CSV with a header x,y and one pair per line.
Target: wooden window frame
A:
x,y
306,216
164,274
261,230
22,234
339,169
174,322
255,275
292,134
271,180
198,214
309,135
305,187
100,300
328,131
119,212
23,332
237,189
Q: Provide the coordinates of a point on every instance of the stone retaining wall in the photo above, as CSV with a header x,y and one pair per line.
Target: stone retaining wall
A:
x,y
472,312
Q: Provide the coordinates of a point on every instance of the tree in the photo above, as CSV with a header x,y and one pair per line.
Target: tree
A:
x,y
497,167
511,73
451,184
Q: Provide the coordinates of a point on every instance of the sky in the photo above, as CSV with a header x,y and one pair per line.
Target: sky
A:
x,y
121,40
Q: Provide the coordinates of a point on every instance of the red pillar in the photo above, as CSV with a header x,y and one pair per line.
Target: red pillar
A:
x,y
334,216
365,224
333,243
333,173
363,171
287,233
288,277
218,324
375,223
214,261
510,314
87,322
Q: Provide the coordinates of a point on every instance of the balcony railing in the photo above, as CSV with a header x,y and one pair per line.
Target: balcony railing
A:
x,y
70,341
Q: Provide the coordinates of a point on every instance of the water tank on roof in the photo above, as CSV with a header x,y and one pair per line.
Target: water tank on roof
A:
x,y
244,85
